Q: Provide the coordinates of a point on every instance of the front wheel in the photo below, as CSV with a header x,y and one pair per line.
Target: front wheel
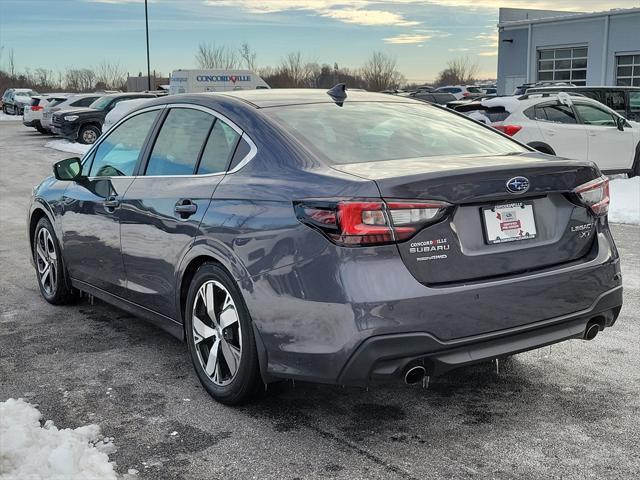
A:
x,y
220,337
88,134
49,265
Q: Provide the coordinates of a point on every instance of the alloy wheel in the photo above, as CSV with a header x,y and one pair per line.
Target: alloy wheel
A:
x,y
89,136
47,261
217,332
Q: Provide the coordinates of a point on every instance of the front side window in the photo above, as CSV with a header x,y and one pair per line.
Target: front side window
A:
x,y
373,131
118,153
179,142
563,64
220,146
628,70
592,115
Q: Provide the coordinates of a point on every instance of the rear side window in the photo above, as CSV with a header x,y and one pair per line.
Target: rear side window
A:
x,y
634,101
615,100
83,102
118,153
179,142
242,150
220,146
555,113
474,90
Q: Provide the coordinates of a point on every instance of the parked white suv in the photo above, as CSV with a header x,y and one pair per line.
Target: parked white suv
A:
x,y
565,125
119,111
32,114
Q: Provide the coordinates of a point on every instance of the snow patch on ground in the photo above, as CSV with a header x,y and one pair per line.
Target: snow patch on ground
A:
x,y
625,200
34,452
67,146
10,118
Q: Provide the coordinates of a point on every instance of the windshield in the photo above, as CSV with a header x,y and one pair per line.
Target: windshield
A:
x,y
101,103
370,132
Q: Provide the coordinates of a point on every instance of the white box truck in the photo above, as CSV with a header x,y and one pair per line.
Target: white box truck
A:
x,y
196,81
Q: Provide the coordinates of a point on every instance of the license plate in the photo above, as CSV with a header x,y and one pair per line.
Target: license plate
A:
x,y
510,222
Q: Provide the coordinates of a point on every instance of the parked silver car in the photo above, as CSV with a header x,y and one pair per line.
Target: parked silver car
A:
x,y
60,103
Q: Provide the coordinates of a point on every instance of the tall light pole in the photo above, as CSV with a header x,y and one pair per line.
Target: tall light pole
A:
x,y
146,21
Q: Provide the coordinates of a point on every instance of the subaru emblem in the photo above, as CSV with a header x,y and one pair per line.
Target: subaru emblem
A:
x,y
518,184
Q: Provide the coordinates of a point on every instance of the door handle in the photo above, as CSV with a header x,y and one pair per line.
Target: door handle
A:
x,y
111,203
185,208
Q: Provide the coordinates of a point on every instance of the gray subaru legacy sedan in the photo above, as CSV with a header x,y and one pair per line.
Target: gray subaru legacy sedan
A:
x,y
338,237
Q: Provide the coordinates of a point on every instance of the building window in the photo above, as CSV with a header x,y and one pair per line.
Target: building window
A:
x,y
563,65
628,70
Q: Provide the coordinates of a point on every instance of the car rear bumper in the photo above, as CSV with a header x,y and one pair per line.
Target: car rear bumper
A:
x,y
333,318
31,123
387,357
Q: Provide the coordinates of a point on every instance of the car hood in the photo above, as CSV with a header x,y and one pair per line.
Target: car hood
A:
x,y
77,111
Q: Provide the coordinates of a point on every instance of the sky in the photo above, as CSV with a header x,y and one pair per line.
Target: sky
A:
x,y
421,34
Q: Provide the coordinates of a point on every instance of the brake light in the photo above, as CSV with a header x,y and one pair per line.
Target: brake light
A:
x,y
36,108
373,222
595,195
465,94
510,130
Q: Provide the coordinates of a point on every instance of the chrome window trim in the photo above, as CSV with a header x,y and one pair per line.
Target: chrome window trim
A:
x,y
253,149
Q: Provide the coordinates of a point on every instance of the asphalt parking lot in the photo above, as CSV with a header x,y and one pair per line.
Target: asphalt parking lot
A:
x,y
569,412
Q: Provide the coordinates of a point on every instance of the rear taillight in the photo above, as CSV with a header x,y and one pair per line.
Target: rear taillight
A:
x,y
465,94
36,108
510,130
595,195
374,222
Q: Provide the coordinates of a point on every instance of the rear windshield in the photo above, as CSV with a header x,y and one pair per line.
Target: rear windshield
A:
x,y
474,90
373,131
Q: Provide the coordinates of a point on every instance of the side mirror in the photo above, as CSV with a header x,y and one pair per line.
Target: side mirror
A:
x,y
67,169
620,122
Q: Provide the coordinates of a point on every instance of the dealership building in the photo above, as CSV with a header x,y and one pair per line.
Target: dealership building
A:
x,y
601,48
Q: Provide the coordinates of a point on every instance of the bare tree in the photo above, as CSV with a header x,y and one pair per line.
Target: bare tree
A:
x,y
217,56
80,80
380,72
111,75
43,78
459,71
248,56
297,72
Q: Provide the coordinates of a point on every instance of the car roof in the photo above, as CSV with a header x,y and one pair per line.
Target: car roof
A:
x,y
299,96
575,87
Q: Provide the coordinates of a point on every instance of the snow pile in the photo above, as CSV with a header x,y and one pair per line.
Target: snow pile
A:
x,y
10,118
625,200
67,146
31,452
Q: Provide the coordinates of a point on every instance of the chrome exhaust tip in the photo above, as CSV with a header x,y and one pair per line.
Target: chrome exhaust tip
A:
x,y
591,331
414,374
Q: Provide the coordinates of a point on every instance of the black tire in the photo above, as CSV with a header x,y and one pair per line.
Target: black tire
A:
x,y
5,110
245,384
56,287
88,134
43,131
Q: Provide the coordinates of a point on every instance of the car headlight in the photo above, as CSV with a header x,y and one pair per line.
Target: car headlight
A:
x,y
71,118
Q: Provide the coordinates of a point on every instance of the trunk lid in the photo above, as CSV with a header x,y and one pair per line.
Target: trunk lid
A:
x,y
489,231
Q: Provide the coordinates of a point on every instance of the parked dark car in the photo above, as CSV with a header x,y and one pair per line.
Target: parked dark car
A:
x,y
439,98
85,124
624,100
345,240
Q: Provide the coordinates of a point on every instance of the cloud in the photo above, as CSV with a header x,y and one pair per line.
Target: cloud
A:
x,y
461,49
407,38
368,17
489,53
346,11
